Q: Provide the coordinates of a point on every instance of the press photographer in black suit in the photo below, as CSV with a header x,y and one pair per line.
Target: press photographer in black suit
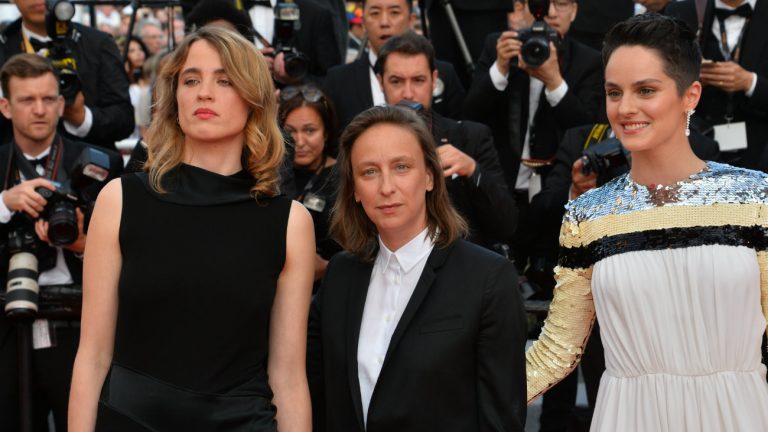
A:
x,y
33,105
406,71
101,112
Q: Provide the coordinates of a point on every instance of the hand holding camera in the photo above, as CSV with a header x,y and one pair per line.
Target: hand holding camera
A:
x,y
42,227
581,182
74,113
507,49
24,197
548,72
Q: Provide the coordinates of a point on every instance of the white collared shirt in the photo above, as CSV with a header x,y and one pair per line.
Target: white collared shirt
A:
x,y
263,19
376,92
734,25
393,280
59,275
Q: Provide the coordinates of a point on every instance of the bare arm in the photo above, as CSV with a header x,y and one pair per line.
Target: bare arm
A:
x,y
97,333
288,325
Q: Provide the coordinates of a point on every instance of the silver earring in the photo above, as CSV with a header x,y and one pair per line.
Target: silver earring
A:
x,y
688,122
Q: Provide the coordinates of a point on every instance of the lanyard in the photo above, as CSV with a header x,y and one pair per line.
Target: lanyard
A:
x,y
312,181
724,41
25,168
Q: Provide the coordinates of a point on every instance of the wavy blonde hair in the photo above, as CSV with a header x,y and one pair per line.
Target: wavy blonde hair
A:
x,y
263,149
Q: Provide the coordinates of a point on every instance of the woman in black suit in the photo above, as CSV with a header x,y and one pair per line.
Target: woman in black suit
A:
x,y
413,328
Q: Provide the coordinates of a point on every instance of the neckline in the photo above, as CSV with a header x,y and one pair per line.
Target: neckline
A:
x,y
191,185
676,185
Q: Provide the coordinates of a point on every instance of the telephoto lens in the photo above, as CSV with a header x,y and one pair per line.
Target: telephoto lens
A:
x,y
22,290
62,224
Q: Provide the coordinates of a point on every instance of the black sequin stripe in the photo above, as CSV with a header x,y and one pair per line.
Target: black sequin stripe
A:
x,y
755,237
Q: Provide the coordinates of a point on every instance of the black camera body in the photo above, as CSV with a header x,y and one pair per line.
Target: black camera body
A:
x,y
608,159
287,23
58,24
535,50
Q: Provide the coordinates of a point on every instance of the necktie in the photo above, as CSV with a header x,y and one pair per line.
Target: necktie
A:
x,y
37,44
745,10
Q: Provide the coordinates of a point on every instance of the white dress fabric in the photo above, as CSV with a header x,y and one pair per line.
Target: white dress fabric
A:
x,y
682,331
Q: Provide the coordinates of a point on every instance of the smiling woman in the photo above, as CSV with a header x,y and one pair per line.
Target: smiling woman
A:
x,y
198,273
672,258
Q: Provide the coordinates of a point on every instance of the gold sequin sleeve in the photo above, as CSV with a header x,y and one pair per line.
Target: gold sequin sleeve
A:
x,y
762,259
567,327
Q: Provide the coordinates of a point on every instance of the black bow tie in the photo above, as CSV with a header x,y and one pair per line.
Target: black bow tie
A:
x,y
37,44
41,161
744,10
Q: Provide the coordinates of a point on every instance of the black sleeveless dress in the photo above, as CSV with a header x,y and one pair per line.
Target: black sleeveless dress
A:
x,y
199,272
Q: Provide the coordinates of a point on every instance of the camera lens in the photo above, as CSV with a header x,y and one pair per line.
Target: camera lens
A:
x,y
62,224
296,65
22,289
535,51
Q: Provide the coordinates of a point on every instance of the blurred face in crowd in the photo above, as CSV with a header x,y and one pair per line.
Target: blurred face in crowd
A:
x,y
520,17
211,109
383,19
308,132
408,77
136,55
643,104
391,181
561,15
34,107
653,5
154,38
32,14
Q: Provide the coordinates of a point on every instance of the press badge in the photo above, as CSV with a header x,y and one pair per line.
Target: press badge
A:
x,y
41,334
731,136
314,202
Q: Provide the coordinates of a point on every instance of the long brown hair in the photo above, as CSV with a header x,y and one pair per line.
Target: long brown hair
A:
x,y
246,68
350,226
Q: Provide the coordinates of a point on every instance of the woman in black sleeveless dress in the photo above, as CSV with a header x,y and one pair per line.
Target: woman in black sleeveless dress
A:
x,y
198,273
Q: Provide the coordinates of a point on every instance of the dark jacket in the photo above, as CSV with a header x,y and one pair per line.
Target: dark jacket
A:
x,y
455,361
581,68
349,86
316,38
103,79
483,199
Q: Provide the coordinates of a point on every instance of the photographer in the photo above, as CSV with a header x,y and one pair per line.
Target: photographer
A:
x,y
100,112
33,105
313,38
406,72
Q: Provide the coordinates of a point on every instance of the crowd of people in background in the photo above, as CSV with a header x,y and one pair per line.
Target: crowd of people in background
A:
x,y
510,125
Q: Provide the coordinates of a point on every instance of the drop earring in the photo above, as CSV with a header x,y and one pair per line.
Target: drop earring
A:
x,y
688,122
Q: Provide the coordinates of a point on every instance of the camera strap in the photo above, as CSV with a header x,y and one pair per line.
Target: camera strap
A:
x,y
25,167
597,134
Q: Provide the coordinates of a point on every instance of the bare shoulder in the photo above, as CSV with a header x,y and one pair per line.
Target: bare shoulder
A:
x,y
109,203
298,218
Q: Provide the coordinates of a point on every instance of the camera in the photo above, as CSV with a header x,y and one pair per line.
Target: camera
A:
x,y
58,24
608,159
287,23
536,39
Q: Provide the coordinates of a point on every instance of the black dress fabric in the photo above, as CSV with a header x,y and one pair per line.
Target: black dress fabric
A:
x,y
199,273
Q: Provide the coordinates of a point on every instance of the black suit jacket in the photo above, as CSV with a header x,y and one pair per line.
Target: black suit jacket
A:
x,y
483,199
316,39
548,206
103,80
455,361
754,58
349,86
584,103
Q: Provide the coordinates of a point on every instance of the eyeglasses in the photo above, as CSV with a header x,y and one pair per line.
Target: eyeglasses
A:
x,y
562,5
309,93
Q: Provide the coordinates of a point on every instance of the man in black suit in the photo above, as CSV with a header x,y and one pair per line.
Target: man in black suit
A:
x,y
735,76
405,69
315,39
353,87
413,329
33,105
101,113
596,17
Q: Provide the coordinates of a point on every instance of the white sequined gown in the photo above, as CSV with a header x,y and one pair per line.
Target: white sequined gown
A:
x,y
678,279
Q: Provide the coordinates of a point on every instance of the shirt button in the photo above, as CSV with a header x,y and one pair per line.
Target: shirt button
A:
x,y
381,360
387,318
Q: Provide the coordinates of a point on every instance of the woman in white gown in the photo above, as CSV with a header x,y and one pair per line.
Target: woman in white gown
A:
x,y
671,257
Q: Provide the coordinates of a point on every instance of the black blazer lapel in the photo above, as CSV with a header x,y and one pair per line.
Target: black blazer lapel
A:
x,y
359,279
362,85
434,262
754,37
